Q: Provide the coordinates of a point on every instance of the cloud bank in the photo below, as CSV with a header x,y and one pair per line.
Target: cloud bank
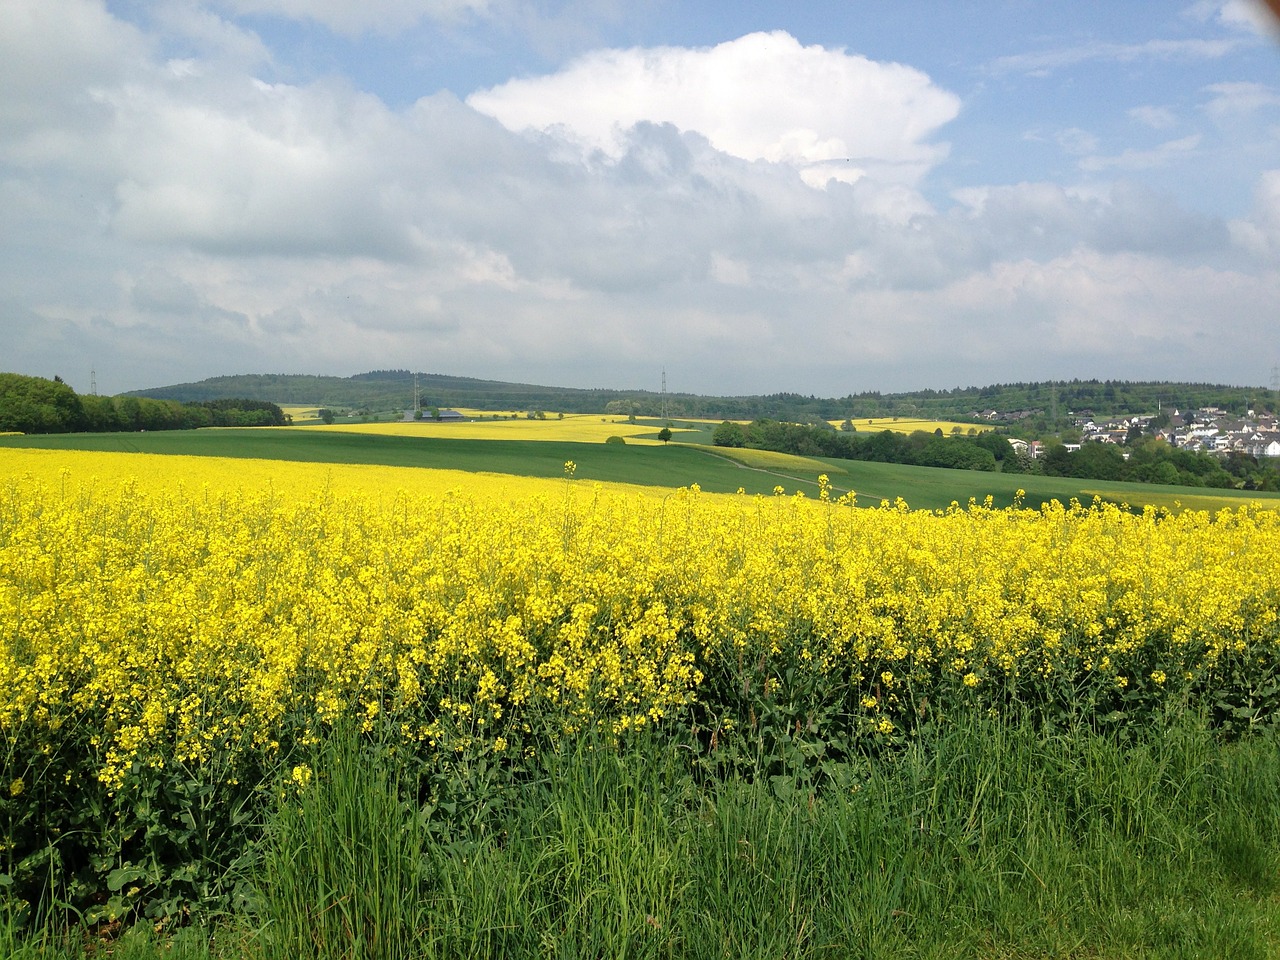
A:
x,y
754,216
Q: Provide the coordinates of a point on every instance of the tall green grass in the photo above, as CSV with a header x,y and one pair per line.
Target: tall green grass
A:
x,y
347,870
981,839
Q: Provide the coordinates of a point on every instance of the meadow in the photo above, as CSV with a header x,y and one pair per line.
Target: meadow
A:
x,y
281,708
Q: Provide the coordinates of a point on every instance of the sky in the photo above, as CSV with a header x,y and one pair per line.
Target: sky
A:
x,y
822,197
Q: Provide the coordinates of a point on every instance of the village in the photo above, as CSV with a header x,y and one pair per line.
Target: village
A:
x,y
1207,430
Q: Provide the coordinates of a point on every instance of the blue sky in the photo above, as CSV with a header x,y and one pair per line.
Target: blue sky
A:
x,y
821,197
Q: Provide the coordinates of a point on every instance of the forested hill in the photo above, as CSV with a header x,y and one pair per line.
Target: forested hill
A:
x,y
1041,403
392,390
37,405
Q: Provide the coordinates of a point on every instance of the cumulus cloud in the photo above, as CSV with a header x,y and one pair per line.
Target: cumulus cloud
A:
x,y
53,58
831,114
1046,221
264,168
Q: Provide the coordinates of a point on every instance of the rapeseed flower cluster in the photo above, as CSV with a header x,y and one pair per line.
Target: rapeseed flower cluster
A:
x,y
190,625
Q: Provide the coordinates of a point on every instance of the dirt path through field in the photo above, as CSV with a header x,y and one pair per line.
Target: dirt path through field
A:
x,y
786,476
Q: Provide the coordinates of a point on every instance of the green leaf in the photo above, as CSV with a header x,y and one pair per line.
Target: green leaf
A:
x,y
128,873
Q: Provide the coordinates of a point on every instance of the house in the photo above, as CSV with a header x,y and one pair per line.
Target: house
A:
x,y
441,416
1262,444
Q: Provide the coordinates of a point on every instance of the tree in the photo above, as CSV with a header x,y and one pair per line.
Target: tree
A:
x,y
998,445
1018,463
326,414
37,405
664,434
729,434
1056,461
1097,461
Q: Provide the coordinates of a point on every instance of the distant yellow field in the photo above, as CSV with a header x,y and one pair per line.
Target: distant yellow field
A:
x,y
1177,501
909,425
81,470
586,428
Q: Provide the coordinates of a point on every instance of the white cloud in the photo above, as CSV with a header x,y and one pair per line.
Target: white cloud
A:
x,y
265,168
766,97
1076,141
1046,61
353,17
1250,15
1157,118
1044,221
1112,314
1239,98
1135,159
53,55
1260,233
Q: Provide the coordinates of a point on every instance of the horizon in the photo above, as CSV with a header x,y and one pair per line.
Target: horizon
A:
x,y
676,392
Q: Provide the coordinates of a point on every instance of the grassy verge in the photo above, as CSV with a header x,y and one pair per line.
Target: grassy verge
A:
x,y
980,839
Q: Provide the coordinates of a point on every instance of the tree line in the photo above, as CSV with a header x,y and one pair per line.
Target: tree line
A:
x,y
37,405
1044,406
1153,460
1143,460
982,452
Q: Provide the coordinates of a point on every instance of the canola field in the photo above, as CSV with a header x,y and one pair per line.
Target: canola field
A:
x,y
236,605
586,428
171,621
912,424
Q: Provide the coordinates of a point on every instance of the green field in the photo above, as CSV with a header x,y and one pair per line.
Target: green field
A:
x,y
669,466
714,469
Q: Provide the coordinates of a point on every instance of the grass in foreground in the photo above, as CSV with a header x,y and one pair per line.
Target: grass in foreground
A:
x,y
980,840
